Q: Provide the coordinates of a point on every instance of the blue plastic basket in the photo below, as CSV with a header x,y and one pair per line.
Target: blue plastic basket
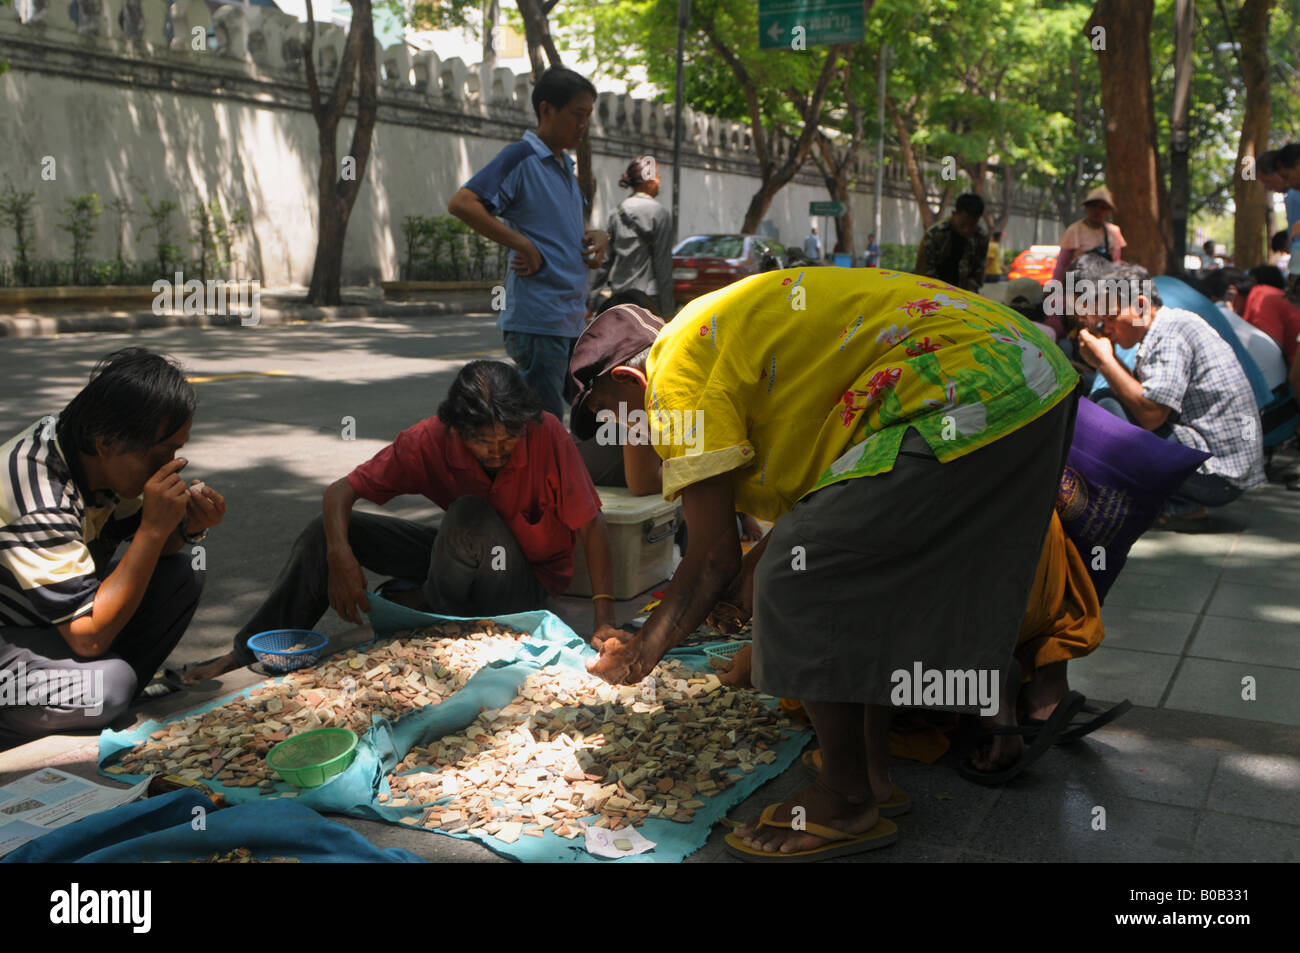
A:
x,y
725,649
273,648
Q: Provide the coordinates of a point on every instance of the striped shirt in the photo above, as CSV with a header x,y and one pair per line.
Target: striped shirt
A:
x,y
51,537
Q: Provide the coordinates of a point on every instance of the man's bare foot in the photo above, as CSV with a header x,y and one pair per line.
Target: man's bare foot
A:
x,y
214,669
851,813
750,529
1045,691
882,784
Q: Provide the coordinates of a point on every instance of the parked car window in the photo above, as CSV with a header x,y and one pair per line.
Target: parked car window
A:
x,y
712,246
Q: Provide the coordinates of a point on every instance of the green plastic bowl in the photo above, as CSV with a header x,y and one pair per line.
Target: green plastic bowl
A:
x,y
310,759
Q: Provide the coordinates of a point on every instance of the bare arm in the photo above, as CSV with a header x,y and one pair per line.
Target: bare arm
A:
x,y
711,564
118,596
1099,353
643,469
469,208
347,580
595,542
1063,261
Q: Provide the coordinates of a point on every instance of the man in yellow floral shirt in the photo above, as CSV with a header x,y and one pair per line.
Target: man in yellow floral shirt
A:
x,y
907,438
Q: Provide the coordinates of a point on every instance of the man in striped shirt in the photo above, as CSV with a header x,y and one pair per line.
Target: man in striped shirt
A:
x,y
80,634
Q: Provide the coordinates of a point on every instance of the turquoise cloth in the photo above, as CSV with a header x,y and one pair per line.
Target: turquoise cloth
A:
x,y
550,642
163,828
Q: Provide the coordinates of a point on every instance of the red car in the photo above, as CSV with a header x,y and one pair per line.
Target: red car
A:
x,y
704,263
1036,261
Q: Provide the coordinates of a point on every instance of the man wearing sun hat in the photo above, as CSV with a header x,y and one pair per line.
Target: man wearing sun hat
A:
x,y
907,440
1092,234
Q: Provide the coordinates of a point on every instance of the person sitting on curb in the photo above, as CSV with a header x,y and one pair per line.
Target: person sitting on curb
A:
x,y
515,492
73,488
1187,386
956,249
843,423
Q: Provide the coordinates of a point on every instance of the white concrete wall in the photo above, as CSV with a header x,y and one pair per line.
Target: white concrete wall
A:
x,y
123,116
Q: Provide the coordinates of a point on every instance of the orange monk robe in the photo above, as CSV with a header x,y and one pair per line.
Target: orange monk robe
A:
x,y
1062,619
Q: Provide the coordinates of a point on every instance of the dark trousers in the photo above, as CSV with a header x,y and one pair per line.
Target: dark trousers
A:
x,y
96,691
471,566
1199,489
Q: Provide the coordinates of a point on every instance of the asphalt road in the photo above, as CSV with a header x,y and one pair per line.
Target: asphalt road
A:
x,y
269,431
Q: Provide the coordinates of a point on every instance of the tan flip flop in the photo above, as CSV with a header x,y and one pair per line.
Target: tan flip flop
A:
x,y
841,843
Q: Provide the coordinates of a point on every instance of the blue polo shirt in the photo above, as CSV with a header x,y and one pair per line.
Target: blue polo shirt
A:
x,y
538,195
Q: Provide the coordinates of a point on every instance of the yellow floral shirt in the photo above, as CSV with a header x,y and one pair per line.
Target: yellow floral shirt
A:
x,y
792,380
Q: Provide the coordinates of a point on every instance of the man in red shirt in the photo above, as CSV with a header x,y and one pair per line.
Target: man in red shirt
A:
x,y
515,491
1269,310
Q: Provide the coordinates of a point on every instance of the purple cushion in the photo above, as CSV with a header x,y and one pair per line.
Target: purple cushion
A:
x,y
1117,478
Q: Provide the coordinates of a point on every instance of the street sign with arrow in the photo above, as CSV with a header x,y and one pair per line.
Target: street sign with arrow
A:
x,y
798,24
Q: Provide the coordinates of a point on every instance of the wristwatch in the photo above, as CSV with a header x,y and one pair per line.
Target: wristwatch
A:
x,y
196,538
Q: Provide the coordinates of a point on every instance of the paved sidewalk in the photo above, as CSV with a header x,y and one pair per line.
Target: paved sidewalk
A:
x,y
1193,773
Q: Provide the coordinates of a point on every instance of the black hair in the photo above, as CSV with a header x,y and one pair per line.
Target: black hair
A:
x,y
631,296
1280,240
1127,271
997,236
486,393
134,398
1214,283
1096,269
970,204
1208,245
1266,162
1268,275
632,177
1288,155
558,86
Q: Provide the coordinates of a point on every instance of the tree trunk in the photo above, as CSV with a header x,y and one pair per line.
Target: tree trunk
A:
x,y
1250,238
1132,157
491,16
911,165
337,187
835,172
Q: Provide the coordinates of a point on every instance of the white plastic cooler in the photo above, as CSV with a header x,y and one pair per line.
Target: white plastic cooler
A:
x,y
641,530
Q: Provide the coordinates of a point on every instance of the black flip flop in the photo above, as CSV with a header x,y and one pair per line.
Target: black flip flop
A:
x,y
162,685
1043,738
1076,731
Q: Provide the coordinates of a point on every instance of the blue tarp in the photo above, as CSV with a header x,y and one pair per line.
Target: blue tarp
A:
x,y
1179,294
164,828
550,642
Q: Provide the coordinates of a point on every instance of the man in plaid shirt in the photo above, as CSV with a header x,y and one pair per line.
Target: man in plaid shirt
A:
x,y
1187,386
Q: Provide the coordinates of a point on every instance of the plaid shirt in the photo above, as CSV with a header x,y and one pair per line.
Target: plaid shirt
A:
x,y
941,244
1183,364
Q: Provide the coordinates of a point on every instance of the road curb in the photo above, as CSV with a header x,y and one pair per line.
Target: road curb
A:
x,y
50,325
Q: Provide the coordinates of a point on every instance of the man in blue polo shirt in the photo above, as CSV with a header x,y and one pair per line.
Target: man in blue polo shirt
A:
x,y
531,185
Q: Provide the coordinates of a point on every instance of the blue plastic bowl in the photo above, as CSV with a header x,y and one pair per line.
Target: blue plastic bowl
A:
x,y
274,649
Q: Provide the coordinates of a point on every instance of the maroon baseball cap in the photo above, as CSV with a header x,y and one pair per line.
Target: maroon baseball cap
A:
x,y
613,338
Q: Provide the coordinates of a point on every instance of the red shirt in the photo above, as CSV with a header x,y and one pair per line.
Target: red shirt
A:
x,y
1268,309
543,493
